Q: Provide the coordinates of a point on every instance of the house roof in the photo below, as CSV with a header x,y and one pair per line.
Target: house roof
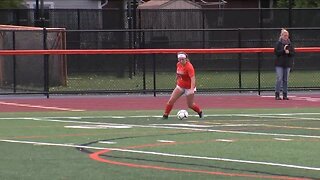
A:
x,y
212,2
154,3
159,4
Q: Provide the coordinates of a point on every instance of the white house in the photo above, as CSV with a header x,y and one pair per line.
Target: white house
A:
x,y
69,17
66,4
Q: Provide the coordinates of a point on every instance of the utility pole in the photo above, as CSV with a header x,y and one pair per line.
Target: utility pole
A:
x,y
42,18
39,14
134,14
36,14
290,13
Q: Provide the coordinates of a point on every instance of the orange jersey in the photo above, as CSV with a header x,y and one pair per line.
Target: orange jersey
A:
x,y
184,74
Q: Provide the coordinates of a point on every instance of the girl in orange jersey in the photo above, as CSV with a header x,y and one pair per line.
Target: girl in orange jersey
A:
x,y
186,84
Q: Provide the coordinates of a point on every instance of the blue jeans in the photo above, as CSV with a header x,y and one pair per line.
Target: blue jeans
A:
x,y
282,79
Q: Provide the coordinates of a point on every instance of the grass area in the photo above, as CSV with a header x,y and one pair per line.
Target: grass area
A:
x,y
226,144
205,80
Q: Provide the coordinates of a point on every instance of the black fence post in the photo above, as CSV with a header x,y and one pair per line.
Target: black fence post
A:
x,y
239,61
203,30
259,73
45,64
142,45
14,62
130,65
144,73
203,33
259,54
154,74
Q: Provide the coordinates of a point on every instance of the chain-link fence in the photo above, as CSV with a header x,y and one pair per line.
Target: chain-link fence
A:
x,y
205,28
96,73
31,73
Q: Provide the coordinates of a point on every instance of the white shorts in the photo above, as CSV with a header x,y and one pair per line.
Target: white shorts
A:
x,y
186,91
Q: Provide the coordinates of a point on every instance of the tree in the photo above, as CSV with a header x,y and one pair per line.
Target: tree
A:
x,y
298,3
5,4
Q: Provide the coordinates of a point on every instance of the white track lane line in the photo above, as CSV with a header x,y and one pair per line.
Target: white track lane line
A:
x,y
40,107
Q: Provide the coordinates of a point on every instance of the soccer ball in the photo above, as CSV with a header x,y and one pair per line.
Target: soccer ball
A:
x,y
182,114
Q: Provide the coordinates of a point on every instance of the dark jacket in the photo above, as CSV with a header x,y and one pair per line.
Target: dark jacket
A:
x,y
283,59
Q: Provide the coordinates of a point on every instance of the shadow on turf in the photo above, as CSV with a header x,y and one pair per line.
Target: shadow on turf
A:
x,y
173,162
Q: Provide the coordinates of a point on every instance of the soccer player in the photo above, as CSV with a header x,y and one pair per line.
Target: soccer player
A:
x,y
186,85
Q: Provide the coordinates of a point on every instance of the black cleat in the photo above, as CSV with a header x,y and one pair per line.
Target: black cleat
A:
x,y
200,114
285,98
165,116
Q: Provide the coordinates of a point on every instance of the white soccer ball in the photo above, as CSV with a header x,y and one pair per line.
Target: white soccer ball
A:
x,y
182,114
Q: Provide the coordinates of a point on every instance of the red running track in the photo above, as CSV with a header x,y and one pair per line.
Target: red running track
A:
x,y
105,103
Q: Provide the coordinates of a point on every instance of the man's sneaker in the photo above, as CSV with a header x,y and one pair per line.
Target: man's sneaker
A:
x,y
165,116
200,114
278,98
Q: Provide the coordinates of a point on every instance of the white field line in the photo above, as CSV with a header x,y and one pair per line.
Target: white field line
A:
x,y
98,127
40,107
166,154
290,127
259,125
107,142
282,139
210,126
271,115
224,140
165,141
280,117
179,128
